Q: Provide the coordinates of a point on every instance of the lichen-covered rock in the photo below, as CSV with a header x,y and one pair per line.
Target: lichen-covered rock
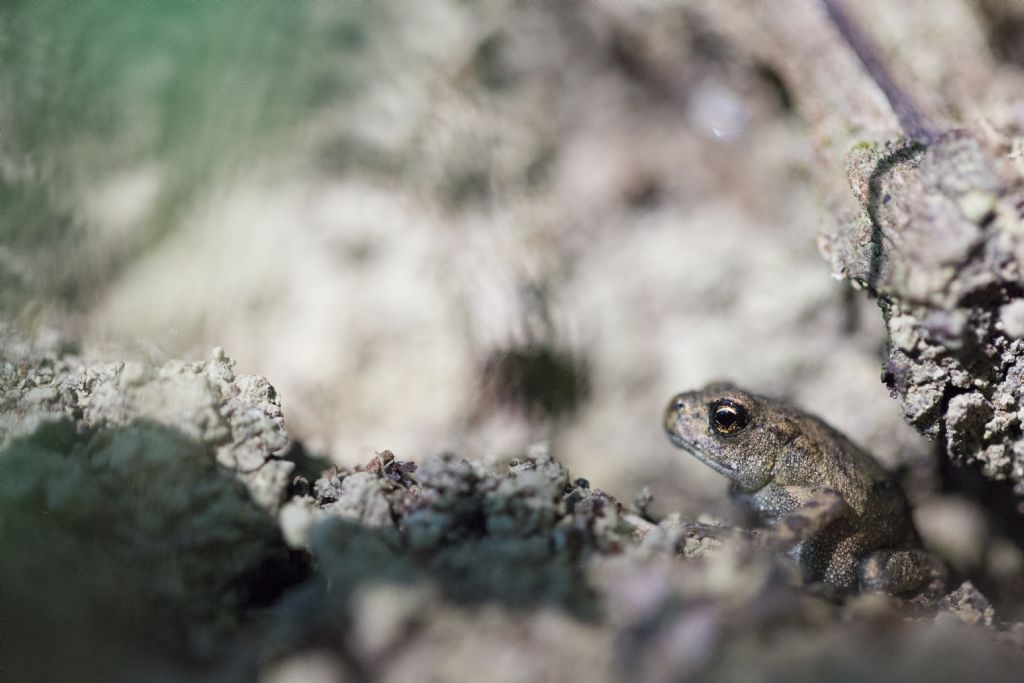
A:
x,y
940,244
517,538
237,417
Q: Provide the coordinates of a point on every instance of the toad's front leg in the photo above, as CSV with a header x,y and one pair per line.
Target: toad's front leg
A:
x,y
903,573
802,516
800,512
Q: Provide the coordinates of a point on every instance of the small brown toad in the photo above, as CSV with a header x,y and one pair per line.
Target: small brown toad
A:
x,y
846,519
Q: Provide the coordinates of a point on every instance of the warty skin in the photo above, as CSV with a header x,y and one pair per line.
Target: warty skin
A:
x,y
842,515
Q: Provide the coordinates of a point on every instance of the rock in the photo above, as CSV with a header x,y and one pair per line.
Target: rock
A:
x,y
1011,317
940,244
125,534
237,417
968,605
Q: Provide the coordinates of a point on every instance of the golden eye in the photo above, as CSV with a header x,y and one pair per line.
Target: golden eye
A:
x,y
728,417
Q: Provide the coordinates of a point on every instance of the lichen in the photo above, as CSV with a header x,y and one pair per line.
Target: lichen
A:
x,y
238,417
940,245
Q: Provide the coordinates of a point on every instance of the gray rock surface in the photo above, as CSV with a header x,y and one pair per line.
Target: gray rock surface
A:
x,y
136,510
450,568
939,243
238,418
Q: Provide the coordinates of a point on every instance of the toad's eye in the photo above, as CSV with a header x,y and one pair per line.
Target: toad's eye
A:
x,y
678,404
728,418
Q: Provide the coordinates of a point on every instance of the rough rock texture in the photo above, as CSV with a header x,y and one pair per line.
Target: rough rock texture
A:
x,y
238,418
134,551
451,568
517,539
940,244
136,509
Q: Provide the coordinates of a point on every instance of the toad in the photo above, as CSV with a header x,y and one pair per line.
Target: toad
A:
x,y
839,513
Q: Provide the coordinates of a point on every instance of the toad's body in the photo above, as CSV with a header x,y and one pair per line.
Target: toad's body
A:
x,y
846,519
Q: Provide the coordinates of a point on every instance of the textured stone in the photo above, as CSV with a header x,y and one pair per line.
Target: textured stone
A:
x,y
940,245
237,417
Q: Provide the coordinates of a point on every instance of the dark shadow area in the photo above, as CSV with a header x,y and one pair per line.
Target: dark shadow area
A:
x,y
539,380
1004,24
997,498
129,554
907,154
308,466
518,573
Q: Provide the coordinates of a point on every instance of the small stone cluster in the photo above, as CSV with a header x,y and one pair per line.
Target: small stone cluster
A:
x,y
517,539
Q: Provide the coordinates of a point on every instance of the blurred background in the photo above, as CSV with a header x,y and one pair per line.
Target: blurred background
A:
x,y
436,226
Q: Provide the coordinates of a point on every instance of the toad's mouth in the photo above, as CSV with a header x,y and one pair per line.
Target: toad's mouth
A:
x,y
724,470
